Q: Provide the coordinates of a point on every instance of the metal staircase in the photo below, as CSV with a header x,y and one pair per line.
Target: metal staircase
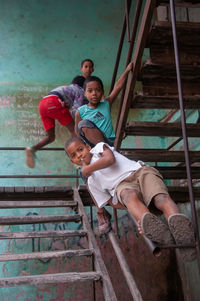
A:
x,y
158,77
52,197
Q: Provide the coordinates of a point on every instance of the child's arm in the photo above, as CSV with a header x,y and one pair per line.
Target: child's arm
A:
x,y
107,159
119,84
77,120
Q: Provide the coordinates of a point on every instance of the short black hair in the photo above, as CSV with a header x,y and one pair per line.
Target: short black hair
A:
x,y
78,80
71,140
93,79
87,60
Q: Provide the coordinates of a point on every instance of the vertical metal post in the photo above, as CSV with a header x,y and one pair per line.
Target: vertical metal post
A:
x,y
185,140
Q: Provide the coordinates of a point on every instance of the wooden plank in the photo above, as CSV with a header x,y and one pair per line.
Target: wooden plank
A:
x,y
35,219
42,234
188,34
50,279
153,72
192,3
160,129
109,293
178,172
35,204
181,194
141,101
162,79
45,255
165,55
159,155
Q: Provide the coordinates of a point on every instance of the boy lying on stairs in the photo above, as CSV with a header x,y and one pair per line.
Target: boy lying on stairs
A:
x,y
125,184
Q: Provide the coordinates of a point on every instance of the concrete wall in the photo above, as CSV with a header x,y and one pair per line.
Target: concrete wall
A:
x,y
42,45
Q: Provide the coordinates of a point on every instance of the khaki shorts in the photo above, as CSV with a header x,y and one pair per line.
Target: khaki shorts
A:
x,y
147,183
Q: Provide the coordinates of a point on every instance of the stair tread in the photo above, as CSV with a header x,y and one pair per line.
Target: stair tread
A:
x,y
160,129
141,101
35,204
43,234
45,255
50,278
158,155
167,72
15,220
188,34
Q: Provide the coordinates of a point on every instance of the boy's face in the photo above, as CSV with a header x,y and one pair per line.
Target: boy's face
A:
x,y
94,93
87,69
79,153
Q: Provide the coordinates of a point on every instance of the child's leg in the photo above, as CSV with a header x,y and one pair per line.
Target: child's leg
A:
x,y
91,134
133,204
70,128
179,225
165,204
148,223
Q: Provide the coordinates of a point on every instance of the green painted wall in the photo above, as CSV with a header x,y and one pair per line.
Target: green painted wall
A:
x,y
42,45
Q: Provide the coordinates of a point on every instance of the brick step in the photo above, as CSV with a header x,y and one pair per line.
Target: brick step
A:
x,y
141,101
160,129
45,255
50,279
158,155
38,219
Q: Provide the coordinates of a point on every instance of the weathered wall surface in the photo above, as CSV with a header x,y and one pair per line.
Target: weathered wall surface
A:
x,y
42,45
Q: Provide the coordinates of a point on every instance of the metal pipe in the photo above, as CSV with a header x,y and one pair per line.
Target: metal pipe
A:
x,y
41,149
119,50
38,176
125,268
185,140
130,51
156,251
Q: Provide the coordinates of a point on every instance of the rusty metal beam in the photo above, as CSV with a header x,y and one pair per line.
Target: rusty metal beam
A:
x,y
137,58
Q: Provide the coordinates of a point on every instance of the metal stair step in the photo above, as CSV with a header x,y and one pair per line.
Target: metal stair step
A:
x,y
33,219
141,101
50,279
158,155
45,255
160,129
42,234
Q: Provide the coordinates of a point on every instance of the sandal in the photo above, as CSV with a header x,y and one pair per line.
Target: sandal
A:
x,y
104,224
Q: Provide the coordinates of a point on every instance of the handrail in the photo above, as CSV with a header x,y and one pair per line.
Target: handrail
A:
x,y
120,45
130,51
137,59
185,139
